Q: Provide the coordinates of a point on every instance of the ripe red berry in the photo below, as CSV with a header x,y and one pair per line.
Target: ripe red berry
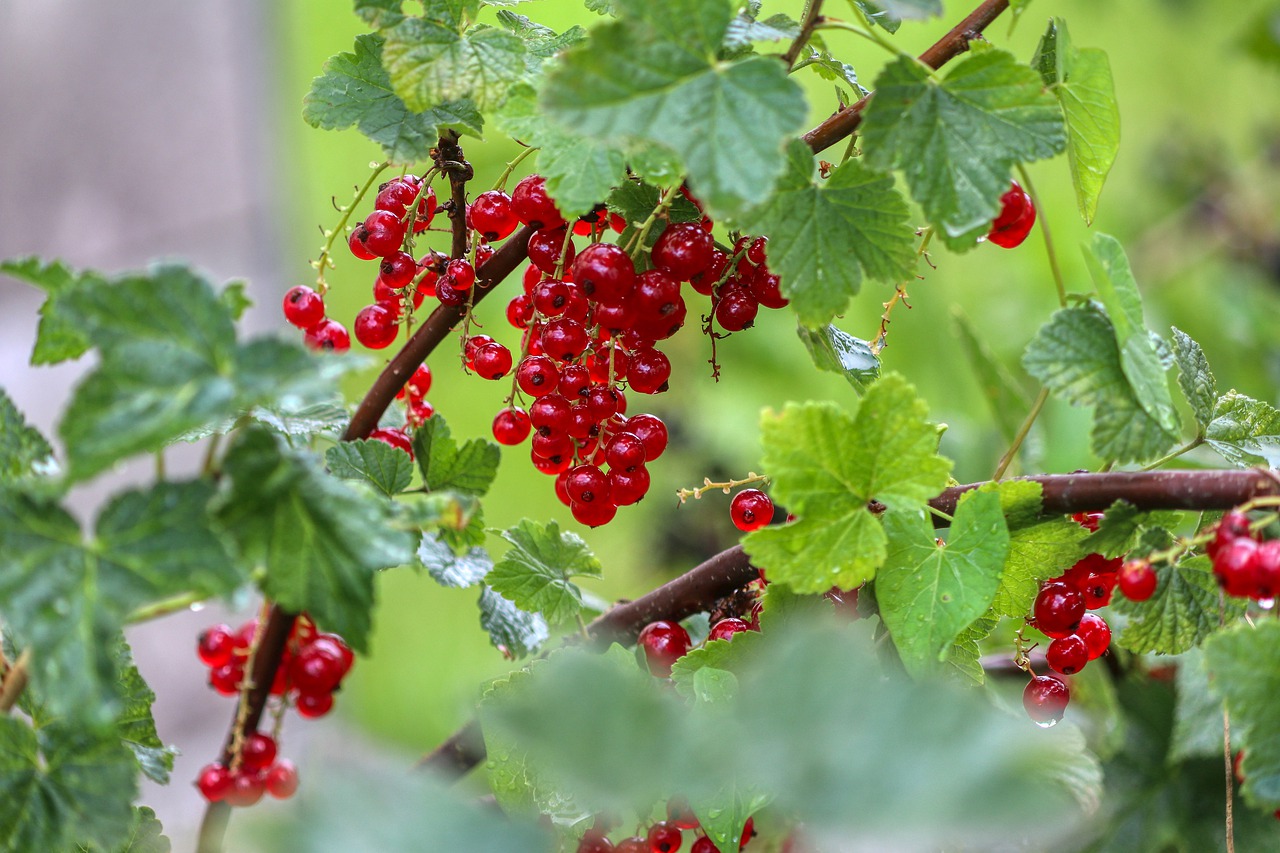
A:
x,y
384,233
312,705
396,196
419,412
355,242
1017,215
511,426
520,311
395,437
492,361
704,845
663,643
683,250
303,307
258,752
246,788
634,844
1137,580
625,450
532,205
1058,609
1234,525
750,510
565,340
461,274
1267,570
1067,655
649,429
736,309
594,841
649,371
418,385
492,215
604,272
1236,566
375,326
546,248
664,838
587,483
628,486
593,514
226,679
766,287
726,628
214,782
216,645
282,779
316,669
537,375
397,270
1096,634
328,336
1045,699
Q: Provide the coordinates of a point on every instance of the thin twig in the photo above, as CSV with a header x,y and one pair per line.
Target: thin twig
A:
x,y
1023,432
15,681
812,17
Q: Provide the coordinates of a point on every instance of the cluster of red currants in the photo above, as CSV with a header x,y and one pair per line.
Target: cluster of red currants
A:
x,y
1077,636
1017,215
663,836
1244,566
257,771
311,670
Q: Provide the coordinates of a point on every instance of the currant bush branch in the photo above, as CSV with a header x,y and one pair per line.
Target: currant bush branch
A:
x,y
812,17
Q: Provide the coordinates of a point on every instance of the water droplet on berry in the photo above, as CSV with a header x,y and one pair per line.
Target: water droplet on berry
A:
x,y
1045,724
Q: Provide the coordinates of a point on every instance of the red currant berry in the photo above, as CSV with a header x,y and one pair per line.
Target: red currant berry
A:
x,y
750,510
418,385
462,273
511,426
419,412
1067,655
604,272
649,371
385,233
216,645
767,289
258,752
396,196
1137,580
282,779
704,845
1096,634
492,215
226,679
520,311
1236,566
550,414
594,841
663,643
1017,215
656,294
651,430
587,483
214,782
246,788
704,282
628,486
664,838
303,307
593,514
680,815
1267,570
375,326
565,340
684,250
312,705
736,309
1088,520
397,270
537,375
328,336
355,242
316,669
546,248
1045,699
1058,609
1232,526
532,205
726,628
395,437
492,361
749,830
625,450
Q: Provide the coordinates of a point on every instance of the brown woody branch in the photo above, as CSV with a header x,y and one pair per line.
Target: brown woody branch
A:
x,y
845,122
812,17
730,570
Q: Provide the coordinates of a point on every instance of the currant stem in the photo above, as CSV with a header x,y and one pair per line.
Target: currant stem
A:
x,y
899,295
164,607
325,261
1023,431
707,485
501,183
1058,279
636,244
1186,448
871,35
812,17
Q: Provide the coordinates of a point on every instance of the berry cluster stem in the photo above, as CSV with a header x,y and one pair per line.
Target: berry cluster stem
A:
x,y
325,261
636,244
707,485
812,17
900,295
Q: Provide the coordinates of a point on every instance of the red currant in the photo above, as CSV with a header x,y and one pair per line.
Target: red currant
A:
x,y
684,250
1096,634
628,486
461,273
216,646
537,375
395,437
649,371
1017,215
593,514
282,779
492,361
726,628
376,327
651,430
511,426
664,838
329,336
214,782
1137,580
1236,566
546,247
704,845
750,510
736,309
532,205
418,385
1067,655
663,643
1045,699
492,215
303,307
1058,609
604,272
385,233
355,242
312,705
246,789
258,752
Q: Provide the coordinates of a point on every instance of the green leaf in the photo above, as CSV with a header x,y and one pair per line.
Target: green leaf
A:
x,y
1244,669
234,298
319,541
1081,80
928,594
58,337
1195,378
535,573
876,14
327,419
1197,729
145,835
170,364
67,600
431,63
826,465
1245,431
1003,394
448,568
1038,548
24,452
965,657
1181,614
652,77
469,470
514,632
839,352
580,172
63,785
916,10
540,41
1138,356
136,726
824,236
380,14
1076,356
356,90
958,139
634,202
745,28
389,469
1260,39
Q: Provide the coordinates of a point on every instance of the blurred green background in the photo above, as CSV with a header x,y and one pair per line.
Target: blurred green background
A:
x,y
1193,197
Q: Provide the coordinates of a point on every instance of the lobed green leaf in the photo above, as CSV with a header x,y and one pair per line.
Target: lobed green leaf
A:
x,y
535,573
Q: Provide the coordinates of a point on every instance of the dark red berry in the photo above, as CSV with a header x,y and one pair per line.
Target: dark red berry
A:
x,y
736,309
766,287
282,779
604,272
750,510
565,339
303,307
316,670
397,270
628,486
492,215
393,436
246,788
1017,215
664,838
683,250
226,679
1236,566
1096,634
1058,609
355,242
328,336
656,294
704,845
258,752
520,311
492,361
663,643
537,375
385,233
1045,699
214,782
546,247
216,646
587,483
1137,580
532,205
651,430
1067,655
375,326
511,426
649,371
726,628
1232,526
625,450
312,705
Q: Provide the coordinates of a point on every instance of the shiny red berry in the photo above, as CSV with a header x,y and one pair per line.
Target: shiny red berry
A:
x,y
1096,634
649,429
683,250
511,426
328,336
664,838
604,272
1067,655
1137,580
492,361
1017,215
726,628
216,645
214,782
1058,609
663,643
1045,699
493,215
282,779
258,751
750,510
303,307
375,326
532,205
